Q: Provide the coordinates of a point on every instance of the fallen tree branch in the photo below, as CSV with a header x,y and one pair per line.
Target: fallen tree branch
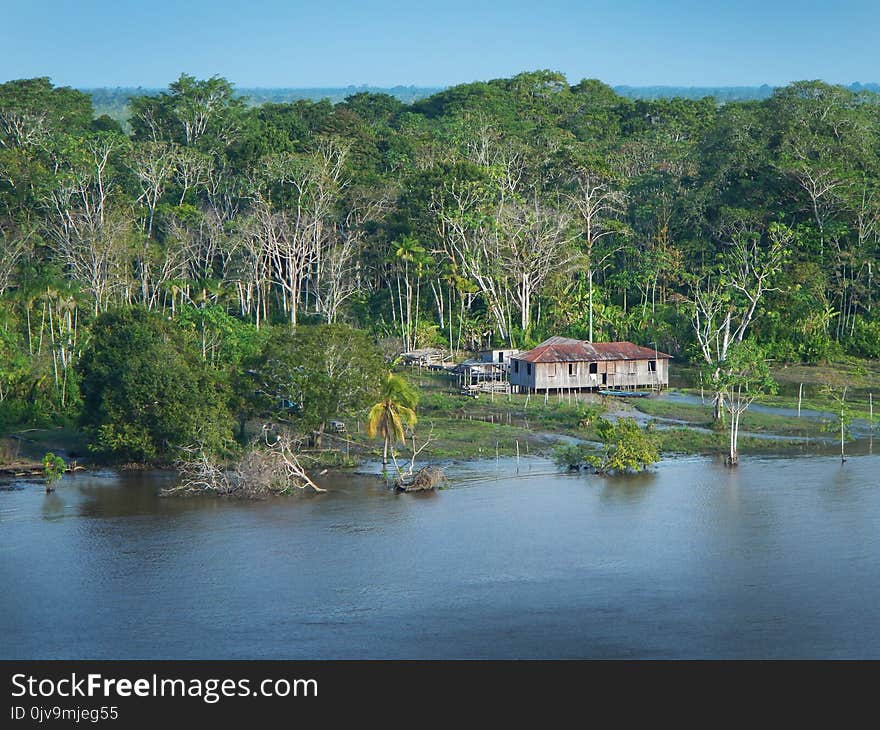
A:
x,y
270,467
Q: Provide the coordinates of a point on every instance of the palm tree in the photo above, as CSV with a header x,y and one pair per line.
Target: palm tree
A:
x,y
393,413
409,251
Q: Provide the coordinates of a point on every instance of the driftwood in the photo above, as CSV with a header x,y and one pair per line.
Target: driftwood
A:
x,y
407,472
269,468
425,479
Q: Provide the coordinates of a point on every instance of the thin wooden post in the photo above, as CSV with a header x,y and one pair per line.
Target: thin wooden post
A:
x,y
800,398
871,409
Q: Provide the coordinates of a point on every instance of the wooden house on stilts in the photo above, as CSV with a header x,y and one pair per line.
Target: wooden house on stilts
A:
x,y
562,364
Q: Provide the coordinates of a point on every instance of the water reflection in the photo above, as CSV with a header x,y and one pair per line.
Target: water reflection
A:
x,y
53,506
627,488
778,557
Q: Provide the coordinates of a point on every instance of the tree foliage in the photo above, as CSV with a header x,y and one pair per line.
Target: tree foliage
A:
x,y
626,447
315,374
146,392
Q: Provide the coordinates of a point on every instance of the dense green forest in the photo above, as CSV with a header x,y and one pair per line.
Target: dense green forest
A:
x,y
498,212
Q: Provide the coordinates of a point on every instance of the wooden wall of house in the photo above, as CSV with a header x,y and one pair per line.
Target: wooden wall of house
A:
x,y
618,374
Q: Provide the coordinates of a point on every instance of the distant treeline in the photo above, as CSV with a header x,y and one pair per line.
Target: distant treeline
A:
x,y
720,93
114,101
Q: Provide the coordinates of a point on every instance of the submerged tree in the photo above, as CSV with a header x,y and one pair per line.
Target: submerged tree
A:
x,y
390,416
625,447
842,416
743,378
53,470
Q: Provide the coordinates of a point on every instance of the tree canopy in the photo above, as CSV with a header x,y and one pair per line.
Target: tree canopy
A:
x,y
145,392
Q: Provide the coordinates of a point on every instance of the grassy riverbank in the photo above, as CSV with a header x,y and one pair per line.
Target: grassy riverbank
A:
x,y
860,377
754,421
461,427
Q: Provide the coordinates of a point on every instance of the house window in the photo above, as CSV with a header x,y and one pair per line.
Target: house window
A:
x,y
500,357
551,370
594,368
633,367
572,369
528,368
652,366
516,366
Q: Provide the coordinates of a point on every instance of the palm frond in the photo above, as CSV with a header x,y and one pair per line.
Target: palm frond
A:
x,y
375,418
407,415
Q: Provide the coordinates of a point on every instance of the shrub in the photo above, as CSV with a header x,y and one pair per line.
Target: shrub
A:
x,y
625,447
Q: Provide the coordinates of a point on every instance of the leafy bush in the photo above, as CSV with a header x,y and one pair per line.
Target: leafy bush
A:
x,y
571,456
626,447
865,340
53,468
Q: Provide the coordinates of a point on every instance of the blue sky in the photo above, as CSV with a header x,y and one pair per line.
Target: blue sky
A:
x,y
388,42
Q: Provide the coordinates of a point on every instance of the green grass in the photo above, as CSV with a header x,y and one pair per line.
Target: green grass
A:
x,y
699,415
460,438
457,435
690,441
755,421
860,376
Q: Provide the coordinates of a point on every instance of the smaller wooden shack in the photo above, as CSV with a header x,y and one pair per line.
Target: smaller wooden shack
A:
x,y
562,363
500,355
480,376
432,358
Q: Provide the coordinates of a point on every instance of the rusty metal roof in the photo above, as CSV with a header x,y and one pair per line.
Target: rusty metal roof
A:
x,y
565,349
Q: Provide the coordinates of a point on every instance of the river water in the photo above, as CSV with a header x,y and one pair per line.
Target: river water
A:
x,y
778,558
